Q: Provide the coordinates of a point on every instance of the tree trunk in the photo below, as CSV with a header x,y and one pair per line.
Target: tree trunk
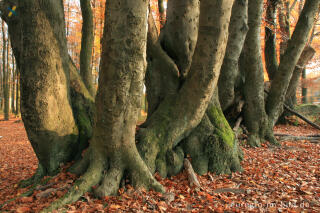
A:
x,y
87,40
284,24
13,87
280,83
178,114
270,50
44,72
305,57
180,33
17,111
117,104
5,75
238,29
162,12
304,89
251,64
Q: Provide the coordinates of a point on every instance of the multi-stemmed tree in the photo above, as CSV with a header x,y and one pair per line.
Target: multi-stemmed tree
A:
x,y
181,67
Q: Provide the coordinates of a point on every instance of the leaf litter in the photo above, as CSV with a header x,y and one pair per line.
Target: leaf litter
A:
x,y
278,179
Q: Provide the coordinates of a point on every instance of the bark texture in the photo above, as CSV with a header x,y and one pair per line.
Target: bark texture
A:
x,y
254,111
179,113
87,40
238,29
270,50
180,33
51,120
112,148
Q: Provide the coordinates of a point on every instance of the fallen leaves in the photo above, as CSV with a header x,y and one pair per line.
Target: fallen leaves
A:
x,y
285,179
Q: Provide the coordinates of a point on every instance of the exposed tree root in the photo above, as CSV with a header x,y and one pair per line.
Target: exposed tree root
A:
x,y
82,185
120,164
80,166
35,179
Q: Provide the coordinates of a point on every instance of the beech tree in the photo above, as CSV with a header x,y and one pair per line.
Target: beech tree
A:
x,y
181,67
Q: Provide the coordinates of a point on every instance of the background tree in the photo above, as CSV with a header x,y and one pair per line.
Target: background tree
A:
x,y
87,39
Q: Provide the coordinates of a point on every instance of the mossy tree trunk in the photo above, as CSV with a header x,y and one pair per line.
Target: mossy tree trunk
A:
x,y
113,149
179,113
39,44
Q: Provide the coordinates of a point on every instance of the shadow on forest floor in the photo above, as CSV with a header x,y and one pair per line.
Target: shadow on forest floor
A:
x,y
285,178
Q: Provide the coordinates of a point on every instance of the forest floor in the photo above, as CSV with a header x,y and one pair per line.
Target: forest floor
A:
x,y
285,179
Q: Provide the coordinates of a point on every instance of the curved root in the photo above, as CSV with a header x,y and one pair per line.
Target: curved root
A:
x,y
36,178
82,185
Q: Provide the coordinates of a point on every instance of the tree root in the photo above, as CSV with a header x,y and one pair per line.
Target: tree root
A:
x,y
35,179
80,166
82,185
130,162
254,141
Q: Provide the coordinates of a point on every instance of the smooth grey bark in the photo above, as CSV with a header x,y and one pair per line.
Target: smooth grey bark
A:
x,y
254,110
238,29
87,39
180,33
289,59
270,50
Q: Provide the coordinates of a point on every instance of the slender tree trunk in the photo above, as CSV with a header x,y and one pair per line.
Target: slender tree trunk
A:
x,y
254,111
305,57
17,111
162,12
284,24
238,29
6,87
270,50
13,87
289,59
87,40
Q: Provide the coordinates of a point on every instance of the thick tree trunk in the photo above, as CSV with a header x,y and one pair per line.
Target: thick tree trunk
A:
x,y
280,83
178,114
254,111
270,50
238,29
87,40
46,107
117,104
212,144
180,33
